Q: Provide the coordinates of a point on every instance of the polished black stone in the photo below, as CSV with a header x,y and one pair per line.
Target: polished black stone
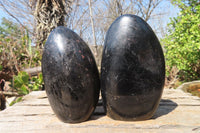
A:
x,y
132,70
70,76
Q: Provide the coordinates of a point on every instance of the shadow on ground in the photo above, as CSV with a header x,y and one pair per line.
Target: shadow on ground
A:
x,y
99,111
165,107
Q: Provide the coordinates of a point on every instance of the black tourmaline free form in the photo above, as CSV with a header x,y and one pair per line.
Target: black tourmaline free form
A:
x,y
132,70
70,76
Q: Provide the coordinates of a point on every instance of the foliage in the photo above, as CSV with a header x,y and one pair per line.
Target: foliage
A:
x,y
36,82
24,84
16,51
1,67
183,4
21,82
8,28
182,44
18,99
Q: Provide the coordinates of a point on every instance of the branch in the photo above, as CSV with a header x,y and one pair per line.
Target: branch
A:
x,y
154,6
33,71
91,19
147,11
11,15
10,93
140,6
1,4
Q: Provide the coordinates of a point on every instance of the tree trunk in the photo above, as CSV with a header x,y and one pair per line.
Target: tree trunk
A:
x,y
93,30
48,15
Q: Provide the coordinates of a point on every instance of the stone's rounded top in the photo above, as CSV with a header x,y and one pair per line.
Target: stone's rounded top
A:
x,y
61,37
124,26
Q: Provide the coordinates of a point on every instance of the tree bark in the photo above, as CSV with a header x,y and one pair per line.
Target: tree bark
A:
x,y
48,15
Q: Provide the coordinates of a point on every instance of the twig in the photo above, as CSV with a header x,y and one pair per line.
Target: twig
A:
x,y
14,17
10,93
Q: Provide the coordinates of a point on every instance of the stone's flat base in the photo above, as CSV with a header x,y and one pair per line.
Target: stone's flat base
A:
x,y
177,112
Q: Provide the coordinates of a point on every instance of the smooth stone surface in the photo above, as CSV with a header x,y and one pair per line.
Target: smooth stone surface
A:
x,y
132,70
70,76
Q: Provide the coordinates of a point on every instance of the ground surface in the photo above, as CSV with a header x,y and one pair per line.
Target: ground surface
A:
x,y
177,112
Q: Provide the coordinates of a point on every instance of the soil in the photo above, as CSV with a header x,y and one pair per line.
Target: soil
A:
x,y
6,75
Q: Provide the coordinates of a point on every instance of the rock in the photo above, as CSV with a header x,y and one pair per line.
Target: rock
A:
x,y
132,70
70,76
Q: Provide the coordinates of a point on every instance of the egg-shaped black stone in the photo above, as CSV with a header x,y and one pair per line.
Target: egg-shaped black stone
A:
x,y
70,75
132,70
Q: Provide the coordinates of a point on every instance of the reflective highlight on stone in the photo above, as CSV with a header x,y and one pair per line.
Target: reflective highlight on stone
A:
x,y
70,76
132,70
